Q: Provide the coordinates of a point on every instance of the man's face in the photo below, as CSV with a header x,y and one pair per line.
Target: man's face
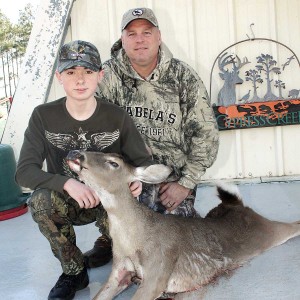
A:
x,y
141,41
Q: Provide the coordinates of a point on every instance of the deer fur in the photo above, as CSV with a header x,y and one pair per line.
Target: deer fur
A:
x,y
168,253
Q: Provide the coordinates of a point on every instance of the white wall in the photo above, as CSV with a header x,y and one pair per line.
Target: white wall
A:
x,y
197,31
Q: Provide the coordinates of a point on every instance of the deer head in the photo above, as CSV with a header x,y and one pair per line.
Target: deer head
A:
x,y
230,76
108,170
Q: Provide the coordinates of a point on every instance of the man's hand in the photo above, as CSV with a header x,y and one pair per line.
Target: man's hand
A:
x,y
135,188
172,194
81,193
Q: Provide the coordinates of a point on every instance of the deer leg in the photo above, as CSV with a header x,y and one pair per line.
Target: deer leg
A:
x,y
151,287
286,231
120,278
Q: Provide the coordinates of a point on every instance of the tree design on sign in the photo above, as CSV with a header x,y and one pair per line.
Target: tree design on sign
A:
x,y
265,95
266,65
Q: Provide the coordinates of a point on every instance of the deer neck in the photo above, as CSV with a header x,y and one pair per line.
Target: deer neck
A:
x,y
120,203
124,212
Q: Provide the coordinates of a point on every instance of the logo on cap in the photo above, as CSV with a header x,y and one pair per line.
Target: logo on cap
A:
x,y
137,12
74,54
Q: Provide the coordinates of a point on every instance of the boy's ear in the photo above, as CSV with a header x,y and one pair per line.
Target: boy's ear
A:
x,y
100,75
58,76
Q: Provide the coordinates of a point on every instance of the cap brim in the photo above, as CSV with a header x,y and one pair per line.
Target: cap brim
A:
x,y
124,26
76,63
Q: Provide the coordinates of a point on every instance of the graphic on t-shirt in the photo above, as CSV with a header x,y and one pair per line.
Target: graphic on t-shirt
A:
x,y
81,140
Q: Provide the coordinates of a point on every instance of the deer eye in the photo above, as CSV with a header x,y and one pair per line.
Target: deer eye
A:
x,y
113,163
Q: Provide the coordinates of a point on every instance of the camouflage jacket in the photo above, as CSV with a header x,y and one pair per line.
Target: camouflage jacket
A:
x,y
170,109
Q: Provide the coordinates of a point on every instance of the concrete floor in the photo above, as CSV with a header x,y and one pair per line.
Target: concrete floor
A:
x,y
28,269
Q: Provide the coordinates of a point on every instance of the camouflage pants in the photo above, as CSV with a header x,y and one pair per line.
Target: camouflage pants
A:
x,y
56,214
150,197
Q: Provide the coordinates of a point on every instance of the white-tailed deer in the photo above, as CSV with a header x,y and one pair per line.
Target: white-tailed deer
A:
x,y
227,94
168,253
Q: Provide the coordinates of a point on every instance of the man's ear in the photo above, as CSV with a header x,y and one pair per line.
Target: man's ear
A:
x,y
159,39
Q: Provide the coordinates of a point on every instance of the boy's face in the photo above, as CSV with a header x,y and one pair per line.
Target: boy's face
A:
x,y
79,83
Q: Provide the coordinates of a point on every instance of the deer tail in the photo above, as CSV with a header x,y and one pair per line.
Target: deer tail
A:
x,y
229,195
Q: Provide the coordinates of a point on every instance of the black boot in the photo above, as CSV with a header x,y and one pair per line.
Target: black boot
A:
x,y
101,254
67,285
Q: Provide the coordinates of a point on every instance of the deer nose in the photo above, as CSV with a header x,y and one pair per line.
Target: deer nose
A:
x,y
74,154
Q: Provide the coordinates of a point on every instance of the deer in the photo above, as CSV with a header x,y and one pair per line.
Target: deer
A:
x,y
294,93
169,253
227,94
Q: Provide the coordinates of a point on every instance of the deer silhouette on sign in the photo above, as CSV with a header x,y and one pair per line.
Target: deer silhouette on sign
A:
x,y
227,94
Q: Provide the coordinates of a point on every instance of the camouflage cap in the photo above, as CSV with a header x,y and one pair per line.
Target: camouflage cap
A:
x,y
78,53
138,13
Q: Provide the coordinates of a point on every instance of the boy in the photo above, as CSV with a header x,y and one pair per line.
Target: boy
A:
x,y
78,121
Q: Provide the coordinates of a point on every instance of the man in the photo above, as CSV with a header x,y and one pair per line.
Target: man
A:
x,y
77,121
169,105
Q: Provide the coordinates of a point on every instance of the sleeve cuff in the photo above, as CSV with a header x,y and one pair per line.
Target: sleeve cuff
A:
x,y
187,183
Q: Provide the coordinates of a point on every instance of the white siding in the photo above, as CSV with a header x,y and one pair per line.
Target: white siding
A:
x,y
196,31
38,67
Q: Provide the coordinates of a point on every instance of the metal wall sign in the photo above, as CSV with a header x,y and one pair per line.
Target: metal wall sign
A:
x,y
258,114
266,94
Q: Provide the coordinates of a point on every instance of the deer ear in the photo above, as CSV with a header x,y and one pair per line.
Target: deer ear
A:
x,y
152,174
221,75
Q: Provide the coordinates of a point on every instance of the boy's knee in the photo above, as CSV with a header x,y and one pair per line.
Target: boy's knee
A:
x,y
40,204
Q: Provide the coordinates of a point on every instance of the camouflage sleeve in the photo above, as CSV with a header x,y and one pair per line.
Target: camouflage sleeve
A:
x,y
199,128
106,87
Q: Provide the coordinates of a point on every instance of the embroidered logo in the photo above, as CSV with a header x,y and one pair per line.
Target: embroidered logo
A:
x,y
137,12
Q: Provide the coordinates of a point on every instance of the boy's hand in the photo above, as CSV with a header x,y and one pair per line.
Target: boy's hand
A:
x,y
81,193
135,188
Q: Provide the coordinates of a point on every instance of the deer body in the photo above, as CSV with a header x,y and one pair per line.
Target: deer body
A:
x,y
168,253
294,93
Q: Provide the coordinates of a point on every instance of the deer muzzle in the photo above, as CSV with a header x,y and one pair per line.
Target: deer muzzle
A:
x,y
74,160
